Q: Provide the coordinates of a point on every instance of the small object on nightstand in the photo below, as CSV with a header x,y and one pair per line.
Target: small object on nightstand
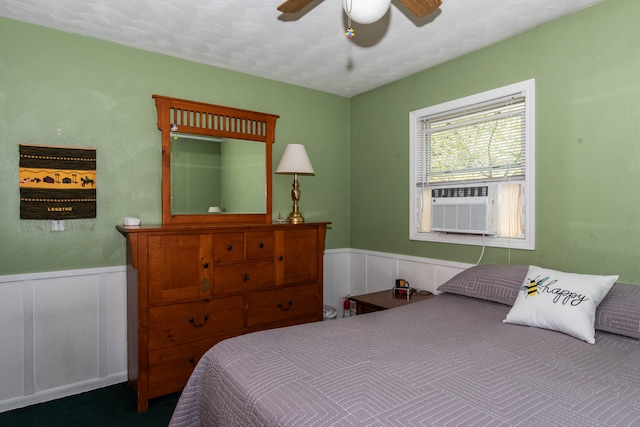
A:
x,y
401,283
402,288
404,291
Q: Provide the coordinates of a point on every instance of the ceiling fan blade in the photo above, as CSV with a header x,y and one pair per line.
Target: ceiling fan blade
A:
x,y
421,8
293,6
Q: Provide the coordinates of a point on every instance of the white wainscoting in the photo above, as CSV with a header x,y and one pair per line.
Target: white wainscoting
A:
x,y
357,272
64,332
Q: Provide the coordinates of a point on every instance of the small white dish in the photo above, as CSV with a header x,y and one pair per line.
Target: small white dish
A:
x,y
130,220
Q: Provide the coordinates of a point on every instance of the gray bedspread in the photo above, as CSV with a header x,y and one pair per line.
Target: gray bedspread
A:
x,y
446,361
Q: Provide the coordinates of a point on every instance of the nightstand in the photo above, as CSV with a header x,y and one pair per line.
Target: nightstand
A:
x,y
384,300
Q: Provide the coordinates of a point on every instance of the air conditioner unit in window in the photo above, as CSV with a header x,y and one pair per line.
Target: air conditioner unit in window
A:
x,y
468,209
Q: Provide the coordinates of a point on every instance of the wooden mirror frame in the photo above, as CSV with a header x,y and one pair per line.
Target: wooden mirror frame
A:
x,y
198,118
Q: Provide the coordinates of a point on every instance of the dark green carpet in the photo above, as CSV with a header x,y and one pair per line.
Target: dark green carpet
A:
x,y
110,406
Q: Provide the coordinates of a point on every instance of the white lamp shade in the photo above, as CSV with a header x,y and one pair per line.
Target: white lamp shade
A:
x,y
295,160
366,11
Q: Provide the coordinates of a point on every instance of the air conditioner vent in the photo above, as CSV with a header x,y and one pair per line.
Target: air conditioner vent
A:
x,y
481,191
464,209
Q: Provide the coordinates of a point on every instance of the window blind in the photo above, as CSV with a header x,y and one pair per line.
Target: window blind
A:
x,y
480,143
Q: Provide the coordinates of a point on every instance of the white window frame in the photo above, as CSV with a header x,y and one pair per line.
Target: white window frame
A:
x,y
526,88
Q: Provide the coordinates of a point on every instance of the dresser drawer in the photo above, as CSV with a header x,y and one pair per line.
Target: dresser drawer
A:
x,y
283,304
179,323
170,367
241,277
228,247
259,245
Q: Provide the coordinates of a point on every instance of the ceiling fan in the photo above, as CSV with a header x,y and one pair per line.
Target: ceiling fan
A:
x,y
367,10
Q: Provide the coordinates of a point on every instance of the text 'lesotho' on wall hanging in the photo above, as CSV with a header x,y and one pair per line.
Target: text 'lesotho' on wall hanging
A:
x,y
57,182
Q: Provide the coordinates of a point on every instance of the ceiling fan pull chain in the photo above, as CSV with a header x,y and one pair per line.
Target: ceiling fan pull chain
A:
x,y
350,33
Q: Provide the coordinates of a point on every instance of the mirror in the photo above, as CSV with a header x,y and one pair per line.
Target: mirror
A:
x,y
217,176
216,163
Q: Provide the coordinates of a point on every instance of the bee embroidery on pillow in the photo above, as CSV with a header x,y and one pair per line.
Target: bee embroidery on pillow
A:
x,y
532,289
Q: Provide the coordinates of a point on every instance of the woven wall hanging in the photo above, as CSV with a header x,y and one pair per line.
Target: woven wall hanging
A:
x,y
57,182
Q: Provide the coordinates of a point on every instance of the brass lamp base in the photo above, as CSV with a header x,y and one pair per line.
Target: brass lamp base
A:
x,y
295,218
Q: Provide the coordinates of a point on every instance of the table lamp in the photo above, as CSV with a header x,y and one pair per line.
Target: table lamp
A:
x,y
295,161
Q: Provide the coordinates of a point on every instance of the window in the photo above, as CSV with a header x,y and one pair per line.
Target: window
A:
x,y
472,169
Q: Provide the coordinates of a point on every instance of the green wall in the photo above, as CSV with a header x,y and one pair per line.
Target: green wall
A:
x,y
587,68
587,71
99,95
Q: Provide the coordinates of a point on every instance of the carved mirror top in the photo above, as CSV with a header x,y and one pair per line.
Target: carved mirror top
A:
x,y
197,118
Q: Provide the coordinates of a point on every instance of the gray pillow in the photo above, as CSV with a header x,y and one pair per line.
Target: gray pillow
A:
x,y
619,311
498,283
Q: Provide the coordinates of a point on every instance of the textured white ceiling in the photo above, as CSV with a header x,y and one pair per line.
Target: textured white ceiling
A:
x,y
307,49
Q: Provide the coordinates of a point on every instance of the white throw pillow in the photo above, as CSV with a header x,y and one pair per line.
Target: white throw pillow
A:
x,y
564,302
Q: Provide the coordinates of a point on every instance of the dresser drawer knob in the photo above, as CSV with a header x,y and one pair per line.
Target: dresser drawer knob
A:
x,y
229,247
198,325
192,361
280,258
246,277
261,245
285,308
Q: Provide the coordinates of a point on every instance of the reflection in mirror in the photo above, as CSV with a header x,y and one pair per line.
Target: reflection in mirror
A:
x,y
243,192
216,176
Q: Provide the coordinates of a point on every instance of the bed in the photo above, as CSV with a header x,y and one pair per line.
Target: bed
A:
x,y
449,360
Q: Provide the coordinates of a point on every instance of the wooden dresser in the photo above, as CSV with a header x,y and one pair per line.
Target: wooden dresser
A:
x,y
191,286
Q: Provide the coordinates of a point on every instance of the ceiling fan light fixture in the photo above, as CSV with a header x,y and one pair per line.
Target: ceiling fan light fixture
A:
x,y
366,11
